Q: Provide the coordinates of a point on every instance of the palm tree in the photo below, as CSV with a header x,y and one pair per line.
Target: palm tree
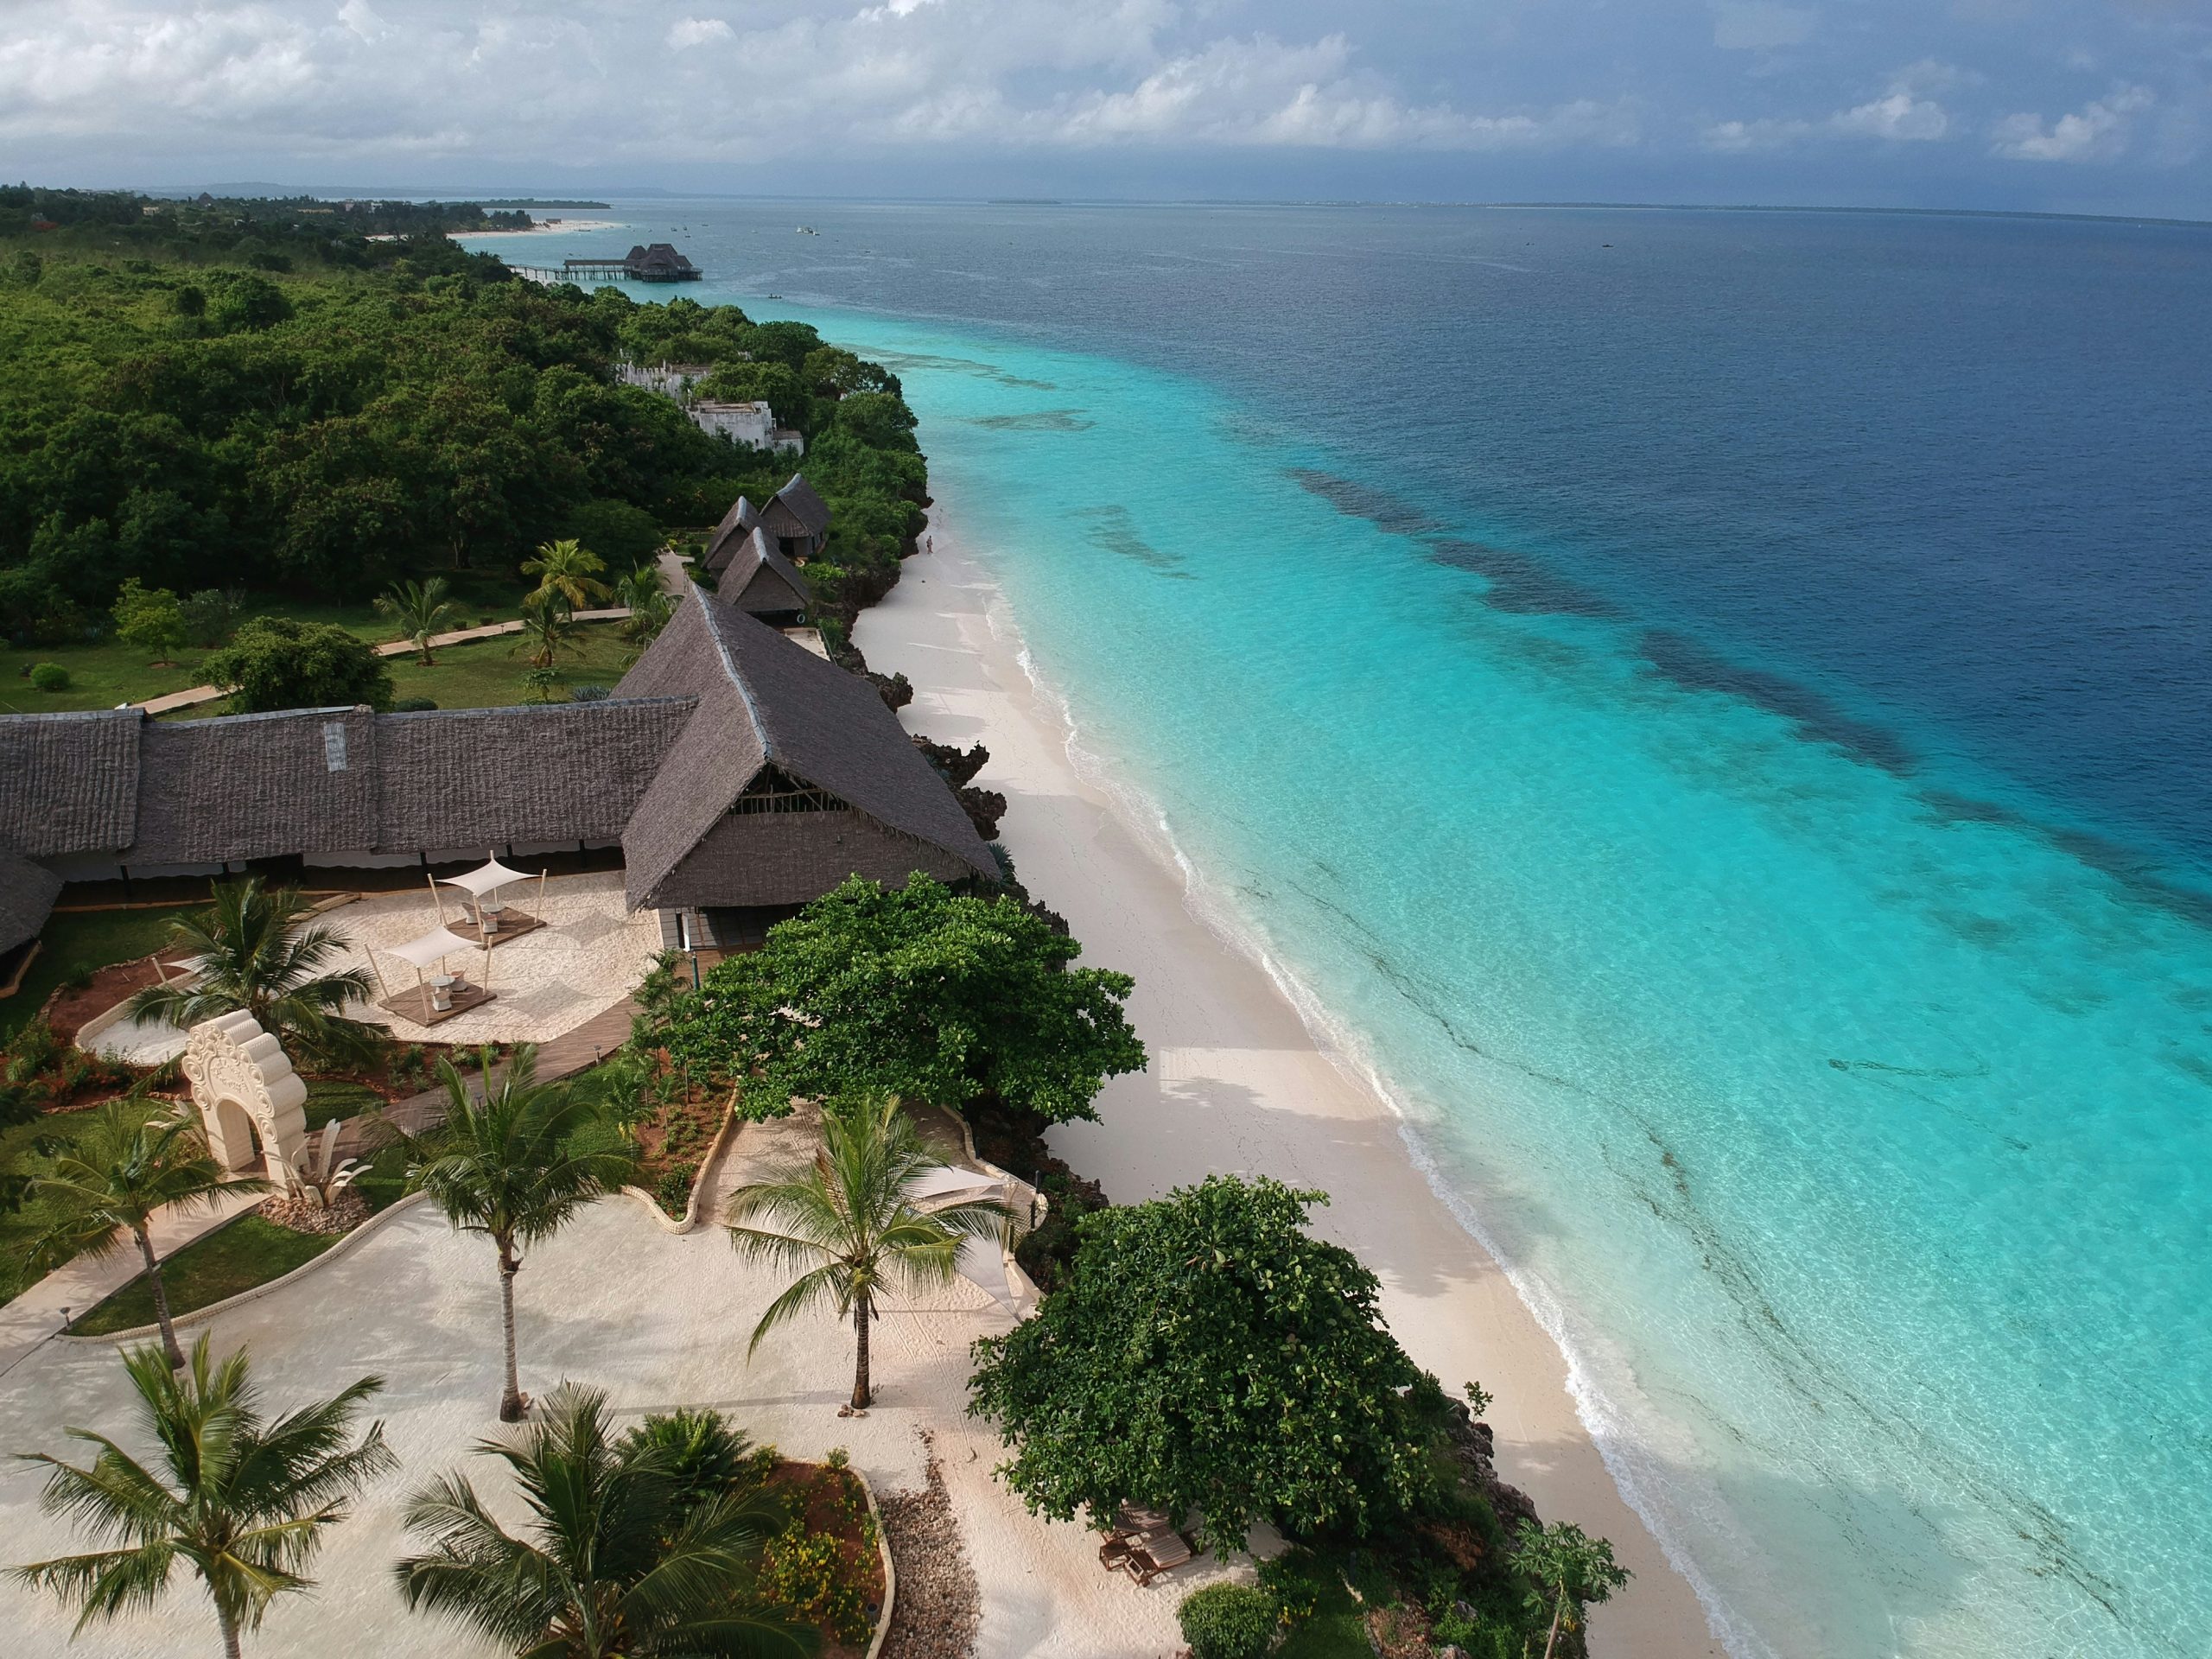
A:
x,y
243,1501
258,952
515,1166
548,627
113,1179
1570,1570
613,1560
422,610
848,1218
649,602
569,569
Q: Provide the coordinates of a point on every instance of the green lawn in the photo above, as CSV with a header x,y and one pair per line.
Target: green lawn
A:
x,y
106,672
19,1227
95,939
246,1253
487,673
334,1097
234,1258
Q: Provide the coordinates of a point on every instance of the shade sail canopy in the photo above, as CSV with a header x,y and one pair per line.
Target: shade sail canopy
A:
x,y
947,1179
431,947
984,1265
479,881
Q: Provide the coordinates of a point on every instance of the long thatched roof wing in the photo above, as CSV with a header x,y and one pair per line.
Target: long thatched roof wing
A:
x,y
729,535
763,701
69,783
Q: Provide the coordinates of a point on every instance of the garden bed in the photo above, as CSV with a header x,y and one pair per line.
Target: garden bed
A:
x,y
824,1568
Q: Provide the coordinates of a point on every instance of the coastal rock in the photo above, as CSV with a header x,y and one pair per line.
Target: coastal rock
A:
x,y
1475,1446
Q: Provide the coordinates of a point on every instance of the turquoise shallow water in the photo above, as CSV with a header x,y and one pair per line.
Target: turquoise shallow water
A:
x,y
1852,1139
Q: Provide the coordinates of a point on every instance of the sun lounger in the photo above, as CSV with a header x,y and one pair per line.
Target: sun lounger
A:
x,y
1155,1553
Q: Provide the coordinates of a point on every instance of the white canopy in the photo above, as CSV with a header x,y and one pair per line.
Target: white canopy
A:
x,y
478,882
982,1263
431,947
947,1179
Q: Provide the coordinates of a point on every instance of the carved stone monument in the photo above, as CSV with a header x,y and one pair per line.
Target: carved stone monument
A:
x,y
243,1085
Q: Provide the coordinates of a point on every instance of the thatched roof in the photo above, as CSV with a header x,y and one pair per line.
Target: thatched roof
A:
x,y
561,771
27,895
765,702
70,782
760,580
256,786
737,523
795,509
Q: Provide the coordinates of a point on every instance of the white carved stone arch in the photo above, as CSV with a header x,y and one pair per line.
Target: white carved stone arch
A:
x,y
242,1083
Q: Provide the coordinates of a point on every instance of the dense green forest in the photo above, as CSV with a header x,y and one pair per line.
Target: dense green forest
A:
x,y
323,430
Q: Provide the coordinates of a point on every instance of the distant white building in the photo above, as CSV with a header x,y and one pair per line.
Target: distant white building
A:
x,y
753,424
670,379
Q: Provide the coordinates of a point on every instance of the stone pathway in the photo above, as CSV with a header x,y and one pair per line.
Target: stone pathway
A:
x,y
199,694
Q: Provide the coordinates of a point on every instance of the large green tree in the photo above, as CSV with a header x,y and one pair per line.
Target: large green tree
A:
x,y
241,1499
846,1222
1207,1353
275,662
917,991
618,1557
515,1161
1570,1570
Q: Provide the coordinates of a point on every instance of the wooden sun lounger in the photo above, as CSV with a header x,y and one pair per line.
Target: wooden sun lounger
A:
x,y
1155,1553
1131,1527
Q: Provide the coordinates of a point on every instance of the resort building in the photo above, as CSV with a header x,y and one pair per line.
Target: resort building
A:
x,y
670,379
738,774
753,424
657,262
750,572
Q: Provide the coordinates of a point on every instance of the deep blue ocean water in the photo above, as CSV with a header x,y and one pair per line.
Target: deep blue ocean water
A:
x,y
1714,708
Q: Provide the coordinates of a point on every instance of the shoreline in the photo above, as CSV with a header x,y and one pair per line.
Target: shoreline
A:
x,y
1239,1082
546,228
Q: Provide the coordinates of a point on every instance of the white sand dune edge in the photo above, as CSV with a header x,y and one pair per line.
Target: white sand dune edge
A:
x,y
1237,1083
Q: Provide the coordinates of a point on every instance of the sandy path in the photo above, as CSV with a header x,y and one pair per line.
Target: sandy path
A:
x,y
656,1320
1237,1083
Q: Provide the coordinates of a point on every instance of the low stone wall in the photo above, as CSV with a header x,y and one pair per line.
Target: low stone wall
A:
x,y
715,1147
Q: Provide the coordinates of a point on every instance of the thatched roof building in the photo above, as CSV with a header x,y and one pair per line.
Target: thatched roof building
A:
x,y
752,574
798,518
733,768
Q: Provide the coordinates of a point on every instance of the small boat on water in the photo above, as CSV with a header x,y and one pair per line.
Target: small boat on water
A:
x,y
808,230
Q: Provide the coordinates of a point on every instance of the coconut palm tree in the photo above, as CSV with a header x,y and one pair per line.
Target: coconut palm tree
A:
x,y
422,610
613,1560
258,951
516,1166
241,1500
849,1219
570,569
548,627
650,605
1570,1570
111,1180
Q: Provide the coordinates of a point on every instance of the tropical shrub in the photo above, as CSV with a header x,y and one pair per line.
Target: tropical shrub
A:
x,y
802,1576
915,991
50,676
1292,1402
673,1191
275,662
701,1452
1229,1620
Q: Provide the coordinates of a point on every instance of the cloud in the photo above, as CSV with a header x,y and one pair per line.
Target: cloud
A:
x,y
2097,132
1759,25
698,31
1902,114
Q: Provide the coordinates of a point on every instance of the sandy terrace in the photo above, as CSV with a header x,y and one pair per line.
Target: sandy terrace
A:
x,y
655,1318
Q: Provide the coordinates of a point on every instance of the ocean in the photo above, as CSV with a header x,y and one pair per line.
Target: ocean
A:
x,y
1714,711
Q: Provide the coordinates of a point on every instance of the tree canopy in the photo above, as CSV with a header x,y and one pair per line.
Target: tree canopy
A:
x,y
275,662
243,407
1207,1354
916,991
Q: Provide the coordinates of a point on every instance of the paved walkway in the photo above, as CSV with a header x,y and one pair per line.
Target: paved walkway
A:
x,y
199,694
82,1285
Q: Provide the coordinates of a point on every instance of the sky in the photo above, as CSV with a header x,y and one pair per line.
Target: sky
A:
x,y
2063,106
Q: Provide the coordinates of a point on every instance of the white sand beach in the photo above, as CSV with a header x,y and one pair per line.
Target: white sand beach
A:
x,y
551,227
1236,1081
